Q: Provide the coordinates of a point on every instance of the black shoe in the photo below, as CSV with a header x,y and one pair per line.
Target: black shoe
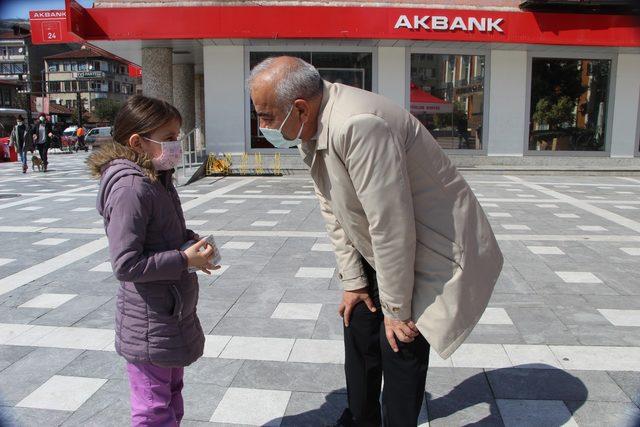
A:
x,y
345,420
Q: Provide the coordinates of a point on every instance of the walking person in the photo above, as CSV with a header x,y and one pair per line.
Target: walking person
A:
x,y
80,145
20,140
42,134
416,255
157,326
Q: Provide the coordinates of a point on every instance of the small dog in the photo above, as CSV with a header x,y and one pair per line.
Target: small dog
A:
x,y
36,162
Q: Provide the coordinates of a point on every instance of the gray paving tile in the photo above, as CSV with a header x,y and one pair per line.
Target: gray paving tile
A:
x,y
595,414
11,354
329,325
11,416
460,396
554,384
109,406
606,335
201,400
495,334
30,372
314,409
623,302
540,326
629,382
259,327
97,364
73,311
220,372
309,377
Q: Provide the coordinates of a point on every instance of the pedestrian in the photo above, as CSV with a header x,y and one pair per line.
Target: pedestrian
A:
x,y
20,140
42,135
416,255
157,327
80,139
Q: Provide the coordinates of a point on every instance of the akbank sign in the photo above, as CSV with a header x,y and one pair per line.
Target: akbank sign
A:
x,y
446,23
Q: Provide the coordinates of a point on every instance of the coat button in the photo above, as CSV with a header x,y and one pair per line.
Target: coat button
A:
x,y
394,309
340,276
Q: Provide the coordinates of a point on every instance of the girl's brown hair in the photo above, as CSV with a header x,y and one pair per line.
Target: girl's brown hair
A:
x,y
142,115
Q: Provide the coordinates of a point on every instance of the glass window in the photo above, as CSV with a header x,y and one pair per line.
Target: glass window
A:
x,y
82,66
447,96
5,68
568,110
54,86
350,68
53,67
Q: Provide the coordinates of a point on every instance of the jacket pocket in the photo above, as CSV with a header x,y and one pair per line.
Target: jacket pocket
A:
x,y
178,302
440,244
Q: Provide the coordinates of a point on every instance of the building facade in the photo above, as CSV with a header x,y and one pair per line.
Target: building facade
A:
x,y
494,82
88,74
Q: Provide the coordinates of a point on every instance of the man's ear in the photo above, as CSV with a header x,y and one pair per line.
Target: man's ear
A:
x,y
303,108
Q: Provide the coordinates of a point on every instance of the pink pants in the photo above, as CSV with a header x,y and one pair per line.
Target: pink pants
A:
x,y
156,395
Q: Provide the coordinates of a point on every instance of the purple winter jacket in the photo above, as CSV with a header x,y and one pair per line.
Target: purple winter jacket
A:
x,y
156,320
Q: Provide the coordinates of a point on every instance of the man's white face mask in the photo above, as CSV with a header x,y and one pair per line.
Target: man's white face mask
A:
x,y
275,137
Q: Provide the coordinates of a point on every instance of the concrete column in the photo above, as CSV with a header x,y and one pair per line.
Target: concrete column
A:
x,y
507,123
392,74
157,74
224,102
199,113
626,102
183,94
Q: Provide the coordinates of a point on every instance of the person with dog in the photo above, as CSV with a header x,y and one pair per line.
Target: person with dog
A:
x,y
416,255
42,134
20,140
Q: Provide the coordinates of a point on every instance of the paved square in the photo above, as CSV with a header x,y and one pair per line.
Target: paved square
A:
x,y
48,301
62,393
559,343
251,406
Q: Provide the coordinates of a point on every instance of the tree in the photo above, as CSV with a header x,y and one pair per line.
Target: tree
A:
x,y
106,109
554,112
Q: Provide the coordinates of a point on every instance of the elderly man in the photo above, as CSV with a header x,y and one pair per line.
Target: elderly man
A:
x,y
416,255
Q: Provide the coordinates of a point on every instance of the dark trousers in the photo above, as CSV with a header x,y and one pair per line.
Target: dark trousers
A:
x,y
368,356
43,149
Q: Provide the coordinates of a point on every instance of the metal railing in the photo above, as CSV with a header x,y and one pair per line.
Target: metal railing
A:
x,y
192,156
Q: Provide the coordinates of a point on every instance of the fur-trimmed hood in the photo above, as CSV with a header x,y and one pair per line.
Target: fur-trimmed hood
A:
x,y
102,158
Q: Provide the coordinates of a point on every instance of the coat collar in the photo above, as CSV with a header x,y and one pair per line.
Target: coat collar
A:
x,y
323,116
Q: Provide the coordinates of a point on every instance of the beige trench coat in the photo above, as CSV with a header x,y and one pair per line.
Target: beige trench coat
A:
x,y
389,193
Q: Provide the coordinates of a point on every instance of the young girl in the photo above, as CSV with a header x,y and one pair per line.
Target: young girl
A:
x,y
157,329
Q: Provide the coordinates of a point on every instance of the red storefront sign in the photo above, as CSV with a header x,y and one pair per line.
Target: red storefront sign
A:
x,y
50,26
289,22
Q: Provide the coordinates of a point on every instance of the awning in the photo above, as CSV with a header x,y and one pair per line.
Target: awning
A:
x,y
331,22
424,102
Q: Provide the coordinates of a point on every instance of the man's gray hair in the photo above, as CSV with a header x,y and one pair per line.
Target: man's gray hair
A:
x,y
300,80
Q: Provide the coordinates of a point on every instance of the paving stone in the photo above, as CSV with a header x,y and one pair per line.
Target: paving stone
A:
x,y
554,384
309,377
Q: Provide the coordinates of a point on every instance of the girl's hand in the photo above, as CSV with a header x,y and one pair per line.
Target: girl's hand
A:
x,y
199,255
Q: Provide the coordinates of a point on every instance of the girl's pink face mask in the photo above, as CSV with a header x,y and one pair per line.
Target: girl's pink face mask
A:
x,y
170,156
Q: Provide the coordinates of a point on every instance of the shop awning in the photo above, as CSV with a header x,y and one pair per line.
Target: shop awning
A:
x,y
424,102
331,22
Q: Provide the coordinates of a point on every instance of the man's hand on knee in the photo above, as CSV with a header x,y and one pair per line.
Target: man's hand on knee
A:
x,y
350,299
406,331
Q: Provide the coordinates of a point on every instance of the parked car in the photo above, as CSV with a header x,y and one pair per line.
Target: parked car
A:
x,y
98,136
